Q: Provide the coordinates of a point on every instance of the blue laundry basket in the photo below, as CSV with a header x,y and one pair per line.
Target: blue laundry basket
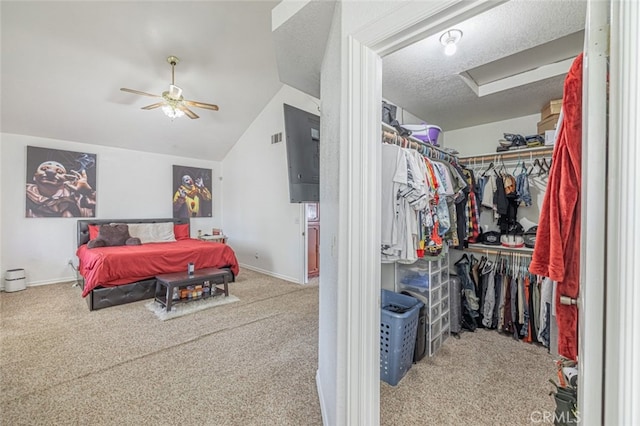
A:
x,y
398,327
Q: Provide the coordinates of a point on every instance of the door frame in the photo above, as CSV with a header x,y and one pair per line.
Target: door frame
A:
x,y
304,241
622,357
593,214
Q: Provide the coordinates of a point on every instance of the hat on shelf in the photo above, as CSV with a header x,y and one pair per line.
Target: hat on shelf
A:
x,y
491,238
530,237
512,241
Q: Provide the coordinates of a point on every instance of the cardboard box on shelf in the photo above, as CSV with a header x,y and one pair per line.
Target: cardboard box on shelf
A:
x,y
548,123
552,108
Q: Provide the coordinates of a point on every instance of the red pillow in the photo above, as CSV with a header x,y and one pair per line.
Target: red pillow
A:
x,y
93,231
181,232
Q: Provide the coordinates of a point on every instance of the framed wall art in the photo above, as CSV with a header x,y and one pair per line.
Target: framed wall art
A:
x,y
192,192
60,183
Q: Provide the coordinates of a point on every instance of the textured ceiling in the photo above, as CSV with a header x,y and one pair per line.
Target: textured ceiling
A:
x,y
427,83
63,64
300,45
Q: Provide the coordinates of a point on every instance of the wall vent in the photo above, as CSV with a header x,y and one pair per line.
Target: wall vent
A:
x,y
276,138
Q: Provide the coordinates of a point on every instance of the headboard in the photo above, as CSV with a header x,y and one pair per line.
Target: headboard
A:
x,y
82,236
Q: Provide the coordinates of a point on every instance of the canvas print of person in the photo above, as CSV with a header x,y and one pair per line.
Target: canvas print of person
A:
x,y
60,183
192,188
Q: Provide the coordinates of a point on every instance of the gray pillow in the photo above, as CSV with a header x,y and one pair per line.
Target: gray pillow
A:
x,y
113,234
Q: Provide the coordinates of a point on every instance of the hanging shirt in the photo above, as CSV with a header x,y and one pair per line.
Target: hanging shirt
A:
x,y
442,210
488,195
392,163
444,176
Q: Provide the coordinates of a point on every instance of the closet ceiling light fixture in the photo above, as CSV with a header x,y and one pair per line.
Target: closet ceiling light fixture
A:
x,y
449,40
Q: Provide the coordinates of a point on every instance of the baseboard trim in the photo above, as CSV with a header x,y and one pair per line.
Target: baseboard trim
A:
x,y
270,273
70,280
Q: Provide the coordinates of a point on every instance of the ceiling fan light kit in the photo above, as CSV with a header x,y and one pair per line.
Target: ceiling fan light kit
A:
x,y
172,112
449,40
173,103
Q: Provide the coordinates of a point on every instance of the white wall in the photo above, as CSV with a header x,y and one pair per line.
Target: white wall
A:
x,y
130,184
405,117
483,139
263,226
330,376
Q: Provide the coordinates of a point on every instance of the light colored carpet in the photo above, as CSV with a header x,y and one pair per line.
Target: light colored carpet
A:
x,y
252,362
182,309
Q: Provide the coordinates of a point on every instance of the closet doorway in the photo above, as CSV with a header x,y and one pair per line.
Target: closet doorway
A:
x,y
312,211
479,137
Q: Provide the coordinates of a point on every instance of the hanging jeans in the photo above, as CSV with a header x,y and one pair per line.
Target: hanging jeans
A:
x,y
522,188
524,330
470,302
499,307
490,294
514,307
480,182
546,300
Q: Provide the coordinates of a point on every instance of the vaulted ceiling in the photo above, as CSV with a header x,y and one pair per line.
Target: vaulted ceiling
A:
x,y
63,64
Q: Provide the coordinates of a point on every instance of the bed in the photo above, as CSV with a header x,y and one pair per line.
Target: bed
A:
x,y
117,275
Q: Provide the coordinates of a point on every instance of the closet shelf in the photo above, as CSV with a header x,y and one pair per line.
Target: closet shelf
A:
x,y
488,249
541,151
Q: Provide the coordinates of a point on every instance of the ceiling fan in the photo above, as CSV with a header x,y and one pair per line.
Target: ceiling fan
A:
x,y
173,103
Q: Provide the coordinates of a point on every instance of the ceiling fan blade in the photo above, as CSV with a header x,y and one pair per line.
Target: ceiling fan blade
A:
x,y
137,92
188,112
201,105
152,106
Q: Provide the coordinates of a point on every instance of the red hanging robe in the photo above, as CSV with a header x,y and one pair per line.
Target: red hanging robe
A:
x,y
557,250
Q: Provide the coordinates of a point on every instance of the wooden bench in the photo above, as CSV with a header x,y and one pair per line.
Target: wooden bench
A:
x,y
214,276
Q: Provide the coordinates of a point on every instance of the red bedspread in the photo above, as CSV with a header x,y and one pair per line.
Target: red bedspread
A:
x,y
112,266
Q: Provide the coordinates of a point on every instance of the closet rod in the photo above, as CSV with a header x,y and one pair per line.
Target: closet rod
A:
x,y
545,151
390,135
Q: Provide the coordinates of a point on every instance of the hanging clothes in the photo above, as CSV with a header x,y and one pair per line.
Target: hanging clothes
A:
x,y
546,300
504,295
522,188
393,163
470,302
472,213
557,249
489,284
404,194
417,198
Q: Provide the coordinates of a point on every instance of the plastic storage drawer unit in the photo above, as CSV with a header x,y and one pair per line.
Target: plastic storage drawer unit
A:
x,y
398,327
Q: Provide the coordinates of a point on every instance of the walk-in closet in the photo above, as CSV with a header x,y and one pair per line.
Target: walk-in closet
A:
x,y
474,172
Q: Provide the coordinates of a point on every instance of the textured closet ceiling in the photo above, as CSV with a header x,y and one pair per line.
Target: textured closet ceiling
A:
x,y
514,37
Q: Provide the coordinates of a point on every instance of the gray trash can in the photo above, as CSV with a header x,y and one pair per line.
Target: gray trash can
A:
x,y
15,280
